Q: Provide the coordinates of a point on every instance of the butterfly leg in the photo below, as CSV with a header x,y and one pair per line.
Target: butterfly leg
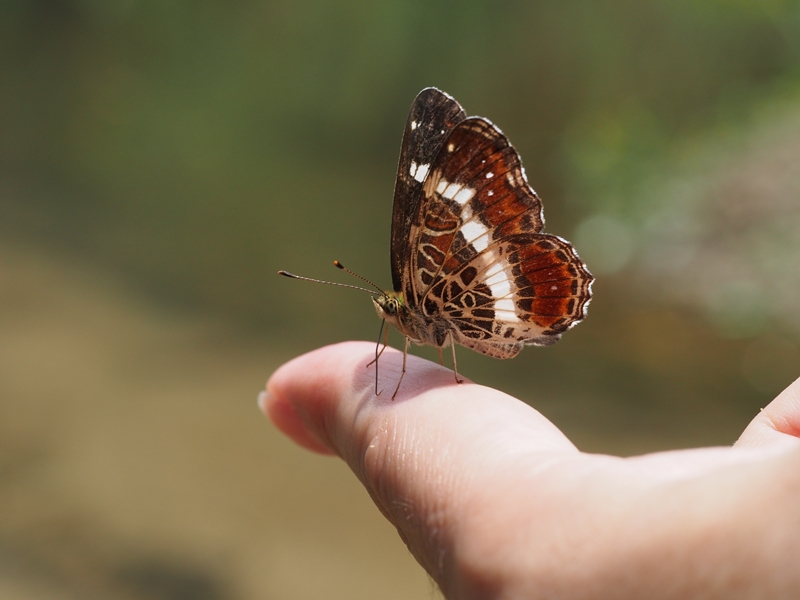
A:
x,y
439,350
378,353
455,365
402,374
385,343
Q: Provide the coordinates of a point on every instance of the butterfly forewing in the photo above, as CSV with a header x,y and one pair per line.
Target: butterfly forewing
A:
x,y
432,116
478,260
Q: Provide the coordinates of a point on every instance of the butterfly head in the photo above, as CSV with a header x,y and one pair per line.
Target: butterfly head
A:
x,y
392,307
389,306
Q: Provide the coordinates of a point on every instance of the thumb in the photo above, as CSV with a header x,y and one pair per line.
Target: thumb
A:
x,y
778,423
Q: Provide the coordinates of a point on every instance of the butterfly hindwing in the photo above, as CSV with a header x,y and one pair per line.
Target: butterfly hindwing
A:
x,y
527,289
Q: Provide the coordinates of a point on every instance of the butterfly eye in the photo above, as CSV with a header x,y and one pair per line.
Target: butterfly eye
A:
x,y
391,307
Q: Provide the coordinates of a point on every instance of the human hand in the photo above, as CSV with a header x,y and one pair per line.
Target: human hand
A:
x,y
495,502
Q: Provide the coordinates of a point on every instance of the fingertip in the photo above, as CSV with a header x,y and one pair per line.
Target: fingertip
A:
x,y
778,423
286,418
304,394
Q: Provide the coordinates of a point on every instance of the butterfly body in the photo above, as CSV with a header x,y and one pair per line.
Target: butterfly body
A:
x,y
416,326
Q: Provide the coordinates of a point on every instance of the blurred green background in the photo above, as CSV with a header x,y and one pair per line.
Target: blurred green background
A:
x,y
161,160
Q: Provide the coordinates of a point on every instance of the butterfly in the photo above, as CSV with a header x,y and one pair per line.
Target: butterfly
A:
x,y
470,264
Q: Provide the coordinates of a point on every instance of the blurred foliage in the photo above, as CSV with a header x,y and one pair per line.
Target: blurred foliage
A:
x,y
197,147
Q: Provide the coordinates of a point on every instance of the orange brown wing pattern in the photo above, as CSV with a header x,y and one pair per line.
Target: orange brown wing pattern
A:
x,y
481,262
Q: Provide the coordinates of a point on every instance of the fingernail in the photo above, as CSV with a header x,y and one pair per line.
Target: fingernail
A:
x,y
263,396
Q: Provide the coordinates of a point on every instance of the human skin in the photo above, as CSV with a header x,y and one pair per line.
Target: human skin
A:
x,y
495,502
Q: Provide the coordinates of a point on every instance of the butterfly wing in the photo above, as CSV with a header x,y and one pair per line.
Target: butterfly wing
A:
x,y
432,116
478,258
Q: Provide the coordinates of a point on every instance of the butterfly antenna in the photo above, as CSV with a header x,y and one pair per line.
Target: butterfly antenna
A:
x,y
355,287
364,279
